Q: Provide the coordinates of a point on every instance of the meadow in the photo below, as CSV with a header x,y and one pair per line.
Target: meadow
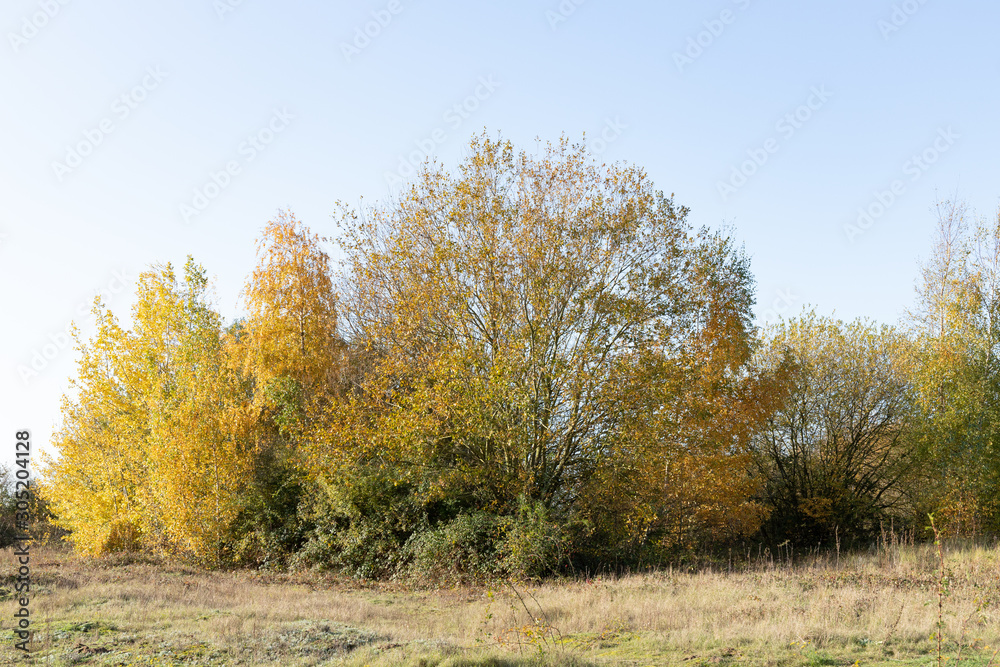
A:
x,y
878,607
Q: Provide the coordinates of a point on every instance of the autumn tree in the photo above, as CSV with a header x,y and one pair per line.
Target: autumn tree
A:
x,y
94,483
153,449
689,483
957,326
525,320
291,359
291,328
838,456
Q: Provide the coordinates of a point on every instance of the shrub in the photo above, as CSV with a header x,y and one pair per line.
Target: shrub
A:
x,y
467,547
534,543
8,506
360,525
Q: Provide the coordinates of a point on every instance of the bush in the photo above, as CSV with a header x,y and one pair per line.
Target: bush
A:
x,y
271,529
361,525
373,526
467,547
482,546
8,506
534,542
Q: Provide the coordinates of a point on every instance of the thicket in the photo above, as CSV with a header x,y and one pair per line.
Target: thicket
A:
x,y
8,509
533,364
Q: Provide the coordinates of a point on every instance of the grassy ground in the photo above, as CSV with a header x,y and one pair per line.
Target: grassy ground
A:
x,y
870,609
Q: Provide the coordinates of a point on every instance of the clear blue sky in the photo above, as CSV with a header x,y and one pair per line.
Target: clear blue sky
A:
x,y
92,183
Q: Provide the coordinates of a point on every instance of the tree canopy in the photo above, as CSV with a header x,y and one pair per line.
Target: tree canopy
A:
x,y
531,362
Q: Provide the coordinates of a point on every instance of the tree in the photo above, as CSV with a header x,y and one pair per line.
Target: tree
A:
x,y
153,450
957,325
197,450
292,361
522,320
837,455
291,329
93,485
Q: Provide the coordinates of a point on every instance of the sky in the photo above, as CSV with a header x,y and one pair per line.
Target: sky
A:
x,y
821,134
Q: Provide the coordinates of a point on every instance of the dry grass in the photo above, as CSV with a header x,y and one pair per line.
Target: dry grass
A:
x,y
870,609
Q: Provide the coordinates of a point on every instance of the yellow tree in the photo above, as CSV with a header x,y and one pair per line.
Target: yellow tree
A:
x,y
93,486
523,317
199,459
153,450
957,326
291,358
292,325
290,344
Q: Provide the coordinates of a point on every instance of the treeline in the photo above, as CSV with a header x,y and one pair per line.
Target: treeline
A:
x,y
528,365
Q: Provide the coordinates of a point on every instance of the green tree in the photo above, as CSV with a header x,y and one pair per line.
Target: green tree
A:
x,y
839,454
957,324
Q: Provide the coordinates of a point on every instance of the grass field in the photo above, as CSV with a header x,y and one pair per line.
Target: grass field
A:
x,y
870,609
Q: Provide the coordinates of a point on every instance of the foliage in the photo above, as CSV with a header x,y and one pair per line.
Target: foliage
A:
x,y
534,544
481,546
530,364
290,343
152,450
361,525
290,357
524,319
837,457
957,332
467,547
